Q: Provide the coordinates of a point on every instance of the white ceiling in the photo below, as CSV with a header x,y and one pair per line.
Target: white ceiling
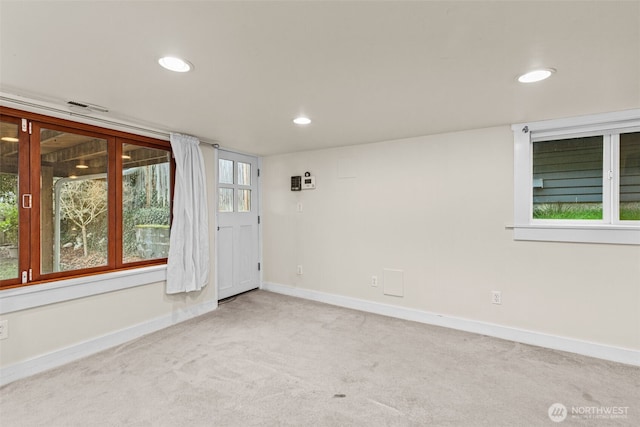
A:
x,y
362,71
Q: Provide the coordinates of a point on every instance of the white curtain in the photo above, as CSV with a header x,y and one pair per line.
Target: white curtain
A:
x,y
188,263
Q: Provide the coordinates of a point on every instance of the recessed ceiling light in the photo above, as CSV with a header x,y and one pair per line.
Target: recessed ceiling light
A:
x,y
301,120
126,156
9,139
175,64
82,166
536,75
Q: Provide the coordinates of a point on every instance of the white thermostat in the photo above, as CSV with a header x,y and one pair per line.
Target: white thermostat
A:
x,y
308,181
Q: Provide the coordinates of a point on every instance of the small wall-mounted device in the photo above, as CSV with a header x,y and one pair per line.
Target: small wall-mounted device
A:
x,y
296,183
309,182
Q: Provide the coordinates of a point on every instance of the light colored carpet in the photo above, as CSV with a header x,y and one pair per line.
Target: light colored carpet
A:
x,y
271,360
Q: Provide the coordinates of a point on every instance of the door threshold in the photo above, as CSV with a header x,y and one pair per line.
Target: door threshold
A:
x,y
233,297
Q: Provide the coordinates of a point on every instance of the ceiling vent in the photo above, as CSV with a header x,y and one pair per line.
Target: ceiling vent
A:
x,y
85,107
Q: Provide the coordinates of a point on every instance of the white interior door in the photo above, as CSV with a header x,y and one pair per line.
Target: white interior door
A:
x,y
237,253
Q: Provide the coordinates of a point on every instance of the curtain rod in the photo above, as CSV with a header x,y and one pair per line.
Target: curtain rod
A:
x,y
88,117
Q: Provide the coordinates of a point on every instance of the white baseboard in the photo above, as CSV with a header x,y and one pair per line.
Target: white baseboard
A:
x,y
601,351
60,357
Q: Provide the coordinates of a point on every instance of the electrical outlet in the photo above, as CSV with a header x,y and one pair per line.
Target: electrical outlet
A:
x,y
299,207
374,281
496,297
299,270
4,329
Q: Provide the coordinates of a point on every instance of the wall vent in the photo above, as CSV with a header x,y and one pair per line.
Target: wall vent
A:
x,y
85,107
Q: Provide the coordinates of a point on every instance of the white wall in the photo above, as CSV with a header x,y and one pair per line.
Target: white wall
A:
x,y
44,330
436,207
76,326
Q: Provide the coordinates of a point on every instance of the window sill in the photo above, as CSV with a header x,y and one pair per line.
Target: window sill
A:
x,y
608,234
26,297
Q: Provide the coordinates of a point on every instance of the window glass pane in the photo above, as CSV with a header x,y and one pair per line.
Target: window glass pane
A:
x,y
225,199
244,173
146,203
73,201
8,201
244,200
567,179
630,176
225,173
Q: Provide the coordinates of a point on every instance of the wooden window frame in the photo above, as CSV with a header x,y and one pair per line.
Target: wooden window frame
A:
x,y
29,257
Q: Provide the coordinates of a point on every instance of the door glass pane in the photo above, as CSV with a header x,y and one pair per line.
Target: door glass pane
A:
x,y
225,199
8,201
244,200
146,203
244,173
225,174
73,201
630,176
567,179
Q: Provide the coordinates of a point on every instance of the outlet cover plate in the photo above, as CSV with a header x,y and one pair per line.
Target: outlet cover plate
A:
x,y
496,297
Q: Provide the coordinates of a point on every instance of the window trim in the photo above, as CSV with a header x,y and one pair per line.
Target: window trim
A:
x,y
605,231
67,289
115,140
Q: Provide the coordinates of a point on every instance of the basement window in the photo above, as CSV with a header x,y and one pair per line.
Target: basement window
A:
x,y
77,199
578,180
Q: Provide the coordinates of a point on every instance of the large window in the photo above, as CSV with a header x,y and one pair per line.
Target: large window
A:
x,y
579,180
77,199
